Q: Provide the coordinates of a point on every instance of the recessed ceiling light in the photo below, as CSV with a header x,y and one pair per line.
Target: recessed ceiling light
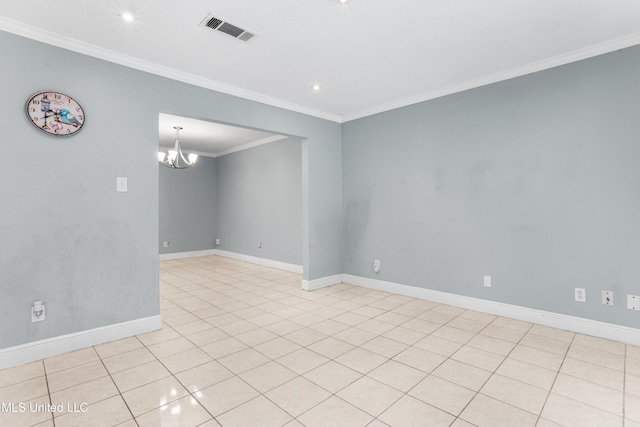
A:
x,y
127,16
343,1
316,87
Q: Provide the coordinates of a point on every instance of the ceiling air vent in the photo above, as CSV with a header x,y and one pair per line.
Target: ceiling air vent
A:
x,y
228,28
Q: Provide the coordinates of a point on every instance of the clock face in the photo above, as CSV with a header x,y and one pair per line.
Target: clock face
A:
x,y
55,113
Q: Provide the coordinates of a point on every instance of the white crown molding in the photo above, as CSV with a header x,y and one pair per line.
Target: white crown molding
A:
x,y
555,320
252,144
246,146
107,55
78,46
50,347
566,58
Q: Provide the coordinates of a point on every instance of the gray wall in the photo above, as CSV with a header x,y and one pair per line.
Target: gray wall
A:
x,y
187,207
69,239
259,200
535,181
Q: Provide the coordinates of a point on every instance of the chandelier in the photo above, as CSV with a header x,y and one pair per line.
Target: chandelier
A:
x,y
174,158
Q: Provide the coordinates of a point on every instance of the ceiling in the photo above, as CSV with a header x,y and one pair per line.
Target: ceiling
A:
x,y
209,138
367,56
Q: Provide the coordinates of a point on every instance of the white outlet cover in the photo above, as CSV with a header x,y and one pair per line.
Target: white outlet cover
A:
x,y
580,295
487,281
35,318
607,297
633,302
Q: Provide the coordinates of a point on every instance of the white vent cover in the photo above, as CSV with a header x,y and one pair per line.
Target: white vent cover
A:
x,y
226,27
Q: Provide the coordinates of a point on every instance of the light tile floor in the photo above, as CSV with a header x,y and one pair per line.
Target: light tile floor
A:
x,y
242,345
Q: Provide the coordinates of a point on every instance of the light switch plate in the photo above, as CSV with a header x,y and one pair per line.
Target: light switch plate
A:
x,y
121,184
487,281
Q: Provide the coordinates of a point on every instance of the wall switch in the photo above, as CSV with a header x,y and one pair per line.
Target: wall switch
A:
x,y
607,297
376,265
121,184
37,312
633,302
580,295
487,281
166,244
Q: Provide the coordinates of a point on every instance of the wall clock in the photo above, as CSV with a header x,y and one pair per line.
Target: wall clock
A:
x,y
55,113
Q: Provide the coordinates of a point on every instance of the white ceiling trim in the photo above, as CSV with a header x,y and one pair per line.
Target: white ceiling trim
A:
x,y
262,141
94,51
242,147
78,46
577,55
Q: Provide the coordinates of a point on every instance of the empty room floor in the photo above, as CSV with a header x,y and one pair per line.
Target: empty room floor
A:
x,y
243,345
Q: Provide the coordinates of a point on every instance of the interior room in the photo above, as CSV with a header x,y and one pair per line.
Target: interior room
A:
x,y
243,200
400,214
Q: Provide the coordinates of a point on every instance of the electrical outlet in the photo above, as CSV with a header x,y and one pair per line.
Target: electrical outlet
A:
x,y
376,265
607,297
217,242
633,302
166,244
260,245
580,295
37,312
487,281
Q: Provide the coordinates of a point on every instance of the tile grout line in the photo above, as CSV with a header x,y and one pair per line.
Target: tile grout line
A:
x,y
564,358
624,386
133,417
46,379
455,417
493,373
172,374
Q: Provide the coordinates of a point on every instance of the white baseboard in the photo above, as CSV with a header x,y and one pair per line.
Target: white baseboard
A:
x,y
191,254
561,321
312,285
294,268
50,347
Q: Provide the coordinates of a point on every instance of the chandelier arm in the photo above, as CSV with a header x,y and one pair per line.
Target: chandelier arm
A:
x,y
175,163
186,162
167,164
